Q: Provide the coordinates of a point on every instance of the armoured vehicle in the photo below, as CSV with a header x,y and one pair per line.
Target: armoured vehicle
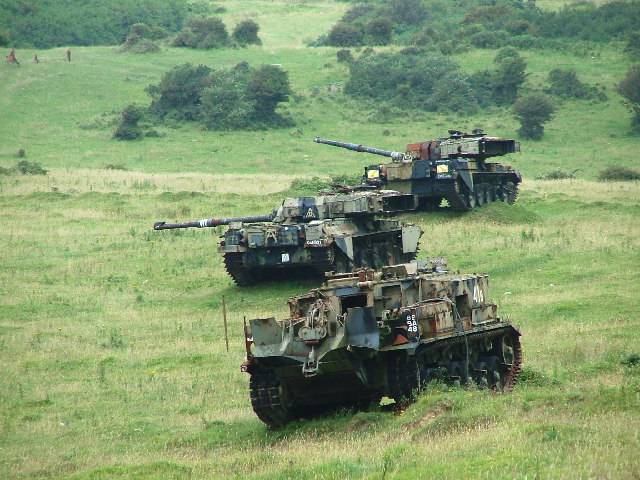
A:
x,y
316,235
453,168
368,334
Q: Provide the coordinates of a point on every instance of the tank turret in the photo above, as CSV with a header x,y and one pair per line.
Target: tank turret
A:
x,y
371,334
453,168
314,235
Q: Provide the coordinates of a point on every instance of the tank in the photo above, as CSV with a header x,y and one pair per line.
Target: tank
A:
x,y
371,334
314,235
453,168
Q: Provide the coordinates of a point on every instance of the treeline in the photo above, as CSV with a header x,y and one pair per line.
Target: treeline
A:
x,y
55,23
450,28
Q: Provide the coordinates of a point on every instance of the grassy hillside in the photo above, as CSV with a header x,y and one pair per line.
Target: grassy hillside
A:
x,y
111,338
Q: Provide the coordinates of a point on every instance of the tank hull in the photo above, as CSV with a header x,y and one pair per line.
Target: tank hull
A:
x,y
255,253
458,181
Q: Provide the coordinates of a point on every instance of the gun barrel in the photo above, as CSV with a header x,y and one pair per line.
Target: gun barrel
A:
x,y
361,148
212,222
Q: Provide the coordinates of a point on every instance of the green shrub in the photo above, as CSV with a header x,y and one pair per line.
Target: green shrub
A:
x,y
246,33
203,33
344,55
240,98
140,39
379,31
532,111
565,83
618,174
629,88
345,35
556,174
508,76
128,128
24,167
411,78
492,39
179,92
116,166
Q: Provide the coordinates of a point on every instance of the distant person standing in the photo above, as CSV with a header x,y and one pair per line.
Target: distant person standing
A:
x,y
68,53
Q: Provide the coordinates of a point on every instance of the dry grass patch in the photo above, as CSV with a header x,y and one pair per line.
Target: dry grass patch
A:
x,y
128,182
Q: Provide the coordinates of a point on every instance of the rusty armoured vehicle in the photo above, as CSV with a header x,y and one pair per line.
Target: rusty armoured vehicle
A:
x,y
453,168
369,334
314,235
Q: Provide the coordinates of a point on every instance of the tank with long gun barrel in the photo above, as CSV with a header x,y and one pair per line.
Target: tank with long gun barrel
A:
x,y
451,168
314,235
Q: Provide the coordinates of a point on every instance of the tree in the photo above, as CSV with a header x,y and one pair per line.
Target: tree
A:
x,y
246,33
179,91
224,105
629,88
508,77
269,85
532,111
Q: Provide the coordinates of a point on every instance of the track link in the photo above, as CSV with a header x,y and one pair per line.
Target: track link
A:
x,y
266,399
238,272
404,374
321,261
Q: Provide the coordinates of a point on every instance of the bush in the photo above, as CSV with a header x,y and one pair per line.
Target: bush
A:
x,y
203,33
493,39
508,77
557,174
268,86
532,111
24,167
618,174
240,98
344,55
140,38
629,88
345,35
179,92
128,128
379,31
412,78
116,166
246,33
565,83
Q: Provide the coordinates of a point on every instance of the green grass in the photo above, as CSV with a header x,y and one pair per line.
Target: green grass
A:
x,y
111,336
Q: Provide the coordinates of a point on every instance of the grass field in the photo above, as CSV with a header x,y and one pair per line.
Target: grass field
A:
x,y
111,337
